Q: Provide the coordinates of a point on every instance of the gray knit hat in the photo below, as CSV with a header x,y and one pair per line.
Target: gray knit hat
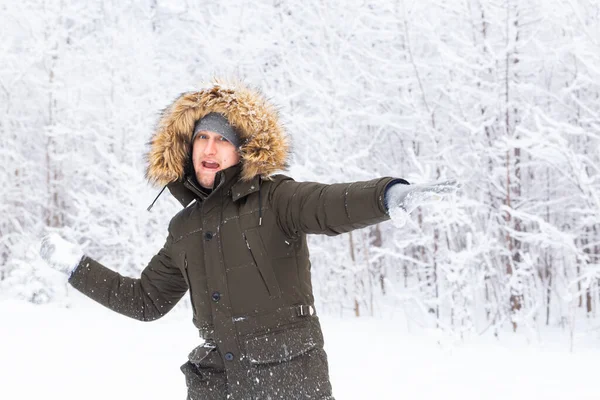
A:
x,y
216,122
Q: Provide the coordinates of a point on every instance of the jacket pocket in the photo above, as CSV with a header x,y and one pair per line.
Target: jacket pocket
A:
x,y
204,373
189,282
201,352
289,364
262,261
281,346
204,383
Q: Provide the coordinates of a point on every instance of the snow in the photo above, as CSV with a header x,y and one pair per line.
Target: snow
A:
x,y
404,199
398,216
421,90
88,352
61,253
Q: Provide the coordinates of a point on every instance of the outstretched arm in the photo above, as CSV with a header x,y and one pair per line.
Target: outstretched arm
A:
x,y
310,207
160,286
409,197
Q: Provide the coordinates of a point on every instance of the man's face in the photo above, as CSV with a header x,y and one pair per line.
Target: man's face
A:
x,y
211,152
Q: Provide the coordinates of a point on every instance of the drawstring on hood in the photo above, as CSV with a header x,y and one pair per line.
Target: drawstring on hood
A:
x,y
259,204
156,198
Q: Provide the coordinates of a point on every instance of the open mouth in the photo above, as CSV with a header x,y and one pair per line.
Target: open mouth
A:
x,y
211,165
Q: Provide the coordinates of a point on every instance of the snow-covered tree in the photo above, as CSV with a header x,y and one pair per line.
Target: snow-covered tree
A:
x,y
502,95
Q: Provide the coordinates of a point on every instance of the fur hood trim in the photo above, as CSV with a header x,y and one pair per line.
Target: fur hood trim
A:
x,y
265,146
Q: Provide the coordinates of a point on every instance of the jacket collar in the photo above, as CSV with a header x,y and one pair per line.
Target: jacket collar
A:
x,y
186,192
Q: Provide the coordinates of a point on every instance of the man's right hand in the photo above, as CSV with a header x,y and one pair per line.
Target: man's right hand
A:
x,y
409,197
60,254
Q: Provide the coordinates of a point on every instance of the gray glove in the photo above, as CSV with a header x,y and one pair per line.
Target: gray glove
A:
x,y
409,197
60,254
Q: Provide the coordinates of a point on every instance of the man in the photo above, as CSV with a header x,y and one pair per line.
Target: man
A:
x,y
239,247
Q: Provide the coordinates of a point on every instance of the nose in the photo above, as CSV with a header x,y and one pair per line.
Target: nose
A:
x,y
211,147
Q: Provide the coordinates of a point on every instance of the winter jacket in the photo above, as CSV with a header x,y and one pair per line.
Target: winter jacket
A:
x,y
241,253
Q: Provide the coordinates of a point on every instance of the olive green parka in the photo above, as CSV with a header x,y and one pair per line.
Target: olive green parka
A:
x,y
241,253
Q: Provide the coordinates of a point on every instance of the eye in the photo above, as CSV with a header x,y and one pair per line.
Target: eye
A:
x,y
222,139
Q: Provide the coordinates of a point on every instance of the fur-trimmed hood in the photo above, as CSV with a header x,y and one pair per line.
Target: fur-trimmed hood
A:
x,y
264,148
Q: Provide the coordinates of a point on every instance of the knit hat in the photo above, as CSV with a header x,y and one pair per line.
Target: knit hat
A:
x,y
216,122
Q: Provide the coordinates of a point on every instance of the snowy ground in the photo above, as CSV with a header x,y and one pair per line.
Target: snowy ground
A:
x,y
87,352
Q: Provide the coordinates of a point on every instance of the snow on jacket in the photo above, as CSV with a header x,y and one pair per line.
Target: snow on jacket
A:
x,y
241,253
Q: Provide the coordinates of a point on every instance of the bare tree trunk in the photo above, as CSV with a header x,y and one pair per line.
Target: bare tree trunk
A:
x,y
578,270
596,254
54,214
548,291
52,207
586,249
548,259
356,291
371,269
436,237
513,166
378,242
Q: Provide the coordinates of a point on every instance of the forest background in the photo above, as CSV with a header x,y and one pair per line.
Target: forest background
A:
x,y
502,95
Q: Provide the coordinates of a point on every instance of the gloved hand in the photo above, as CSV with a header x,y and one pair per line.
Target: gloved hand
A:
x,y
60,254
409,197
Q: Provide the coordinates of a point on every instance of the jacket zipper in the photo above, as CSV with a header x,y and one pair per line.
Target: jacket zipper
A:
x,y
187,274
198,192
265,271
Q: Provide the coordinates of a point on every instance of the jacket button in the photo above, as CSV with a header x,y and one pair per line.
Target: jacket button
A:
x,y
229,356
216,296
208,235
